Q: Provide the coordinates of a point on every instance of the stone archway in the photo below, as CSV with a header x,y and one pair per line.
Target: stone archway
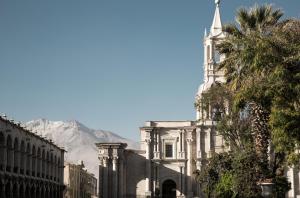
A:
x,y
37,191
15,191
22,191
28,194
169,189
8,190
2,189
9,154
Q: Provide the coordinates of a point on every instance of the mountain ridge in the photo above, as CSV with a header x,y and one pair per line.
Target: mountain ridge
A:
x,y
77,139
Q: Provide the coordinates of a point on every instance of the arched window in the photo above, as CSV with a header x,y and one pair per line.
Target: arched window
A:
x,y
54,167
29,159
22,158
43,163
16,156
47,165
39,161
9,154
36,161
217,55
2,151
51,166
58,170
208,53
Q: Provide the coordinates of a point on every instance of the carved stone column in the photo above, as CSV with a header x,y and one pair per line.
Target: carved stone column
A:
x,y
156,183
198,143
189,166
115,176
184,179
181,140
121,177
105,177
148,158
208,142
101,179
181,180
156,145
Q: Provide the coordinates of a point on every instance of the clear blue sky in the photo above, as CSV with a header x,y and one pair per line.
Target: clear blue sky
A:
x,y
111,64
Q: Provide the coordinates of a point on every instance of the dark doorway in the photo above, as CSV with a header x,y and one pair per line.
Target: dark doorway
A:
x,y
169,189
8,189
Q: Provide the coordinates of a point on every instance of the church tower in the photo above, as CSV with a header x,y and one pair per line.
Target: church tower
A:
x,y
208,140
211,59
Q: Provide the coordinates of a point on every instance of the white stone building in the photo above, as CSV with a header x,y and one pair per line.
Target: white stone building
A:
x,y
30,165
170,150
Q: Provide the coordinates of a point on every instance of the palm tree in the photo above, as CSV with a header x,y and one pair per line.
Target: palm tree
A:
x,y
246,69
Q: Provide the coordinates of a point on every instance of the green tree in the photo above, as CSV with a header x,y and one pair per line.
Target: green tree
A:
x,y
262,94
285,88
246,69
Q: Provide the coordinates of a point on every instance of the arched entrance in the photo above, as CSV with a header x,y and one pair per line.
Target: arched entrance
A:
x,y
8,190
27,192
15,190
169,189
21,191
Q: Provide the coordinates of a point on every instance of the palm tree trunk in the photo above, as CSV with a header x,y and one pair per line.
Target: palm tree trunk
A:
x,y
261,133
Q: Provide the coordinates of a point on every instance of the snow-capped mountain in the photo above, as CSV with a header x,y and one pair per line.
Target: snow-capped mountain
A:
x,y
77,139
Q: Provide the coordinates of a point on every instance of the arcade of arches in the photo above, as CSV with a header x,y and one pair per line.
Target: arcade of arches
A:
x,y
30,166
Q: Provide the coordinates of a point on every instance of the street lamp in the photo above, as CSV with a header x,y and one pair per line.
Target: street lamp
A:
x,y
266,189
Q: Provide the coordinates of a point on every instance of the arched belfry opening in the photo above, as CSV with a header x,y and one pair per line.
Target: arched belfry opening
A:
x,y
169,189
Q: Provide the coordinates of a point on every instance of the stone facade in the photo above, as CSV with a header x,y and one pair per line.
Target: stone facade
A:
x,y
171,147
30,166
112,170
79,183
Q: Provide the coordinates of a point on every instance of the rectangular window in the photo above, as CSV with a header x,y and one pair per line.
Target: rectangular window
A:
x,y
169,150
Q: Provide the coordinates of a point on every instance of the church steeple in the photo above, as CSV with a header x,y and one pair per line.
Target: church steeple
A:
x,y
211,59
216,27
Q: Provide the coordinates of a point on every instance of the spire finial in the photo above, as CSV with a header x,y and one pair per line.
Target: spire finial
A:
x,y
216,27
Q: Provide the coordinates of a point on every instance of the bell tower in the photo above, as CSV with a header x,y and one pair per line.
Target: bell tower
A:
x,y
211,59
